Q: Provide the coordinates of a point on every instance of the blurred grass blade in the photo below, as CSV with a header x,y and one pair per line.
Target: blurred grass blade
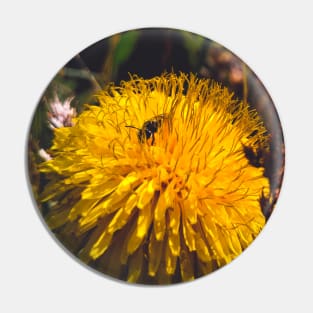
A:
x,y
193,45
124,48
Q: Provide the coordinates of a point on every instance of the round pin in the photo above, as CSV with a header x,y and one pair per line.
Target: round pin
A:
x,y
155,156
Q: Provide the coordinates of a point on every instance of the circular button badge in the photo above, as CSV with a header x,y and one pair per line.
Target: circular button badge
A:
x,y
155,156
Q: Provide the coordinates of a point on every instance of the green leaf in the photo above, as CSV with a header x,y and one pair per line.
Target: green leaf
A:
x,y
193,45
124,48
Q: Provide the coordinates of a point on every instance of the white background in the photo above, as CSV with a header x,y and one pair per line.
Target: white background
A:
x,y
274,38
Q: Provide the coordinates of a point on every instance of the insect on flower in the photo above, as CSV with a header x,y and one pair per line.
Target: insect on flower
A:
x,y
149,128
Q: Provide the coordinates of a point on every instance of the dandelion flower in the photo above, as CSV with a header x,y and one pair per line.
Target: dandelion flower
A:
x,y
153,185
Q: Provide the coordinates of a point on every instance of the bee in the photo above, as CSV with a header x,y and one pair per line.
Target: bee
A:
x,y
149,128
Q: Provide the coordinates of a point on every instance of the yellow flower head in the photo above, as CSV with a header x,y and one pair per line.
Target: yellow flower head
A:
x,y
153,185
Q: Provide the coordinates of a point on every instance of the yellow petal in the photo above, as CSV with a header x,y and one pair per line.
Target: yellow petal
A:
x,y
131,203
81,208
98,211
119,220
189,235
144,221
99,230
145,194
191,208
171,260
202,249
174,242
159,216
135,266
155,254
186,264
174,218
101,245
100,191
233,242
137,236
